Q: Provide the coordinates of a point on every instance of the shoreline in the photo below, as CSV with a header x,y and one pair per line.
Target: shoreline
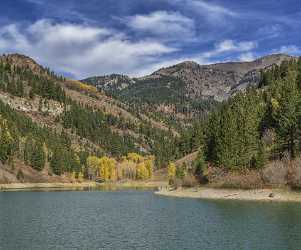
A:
x,y
278,195
45,186
80,186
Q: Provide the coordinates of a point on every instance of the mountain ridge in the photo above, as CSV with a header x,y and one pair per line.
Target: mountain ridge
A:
x,y
217,81
188,89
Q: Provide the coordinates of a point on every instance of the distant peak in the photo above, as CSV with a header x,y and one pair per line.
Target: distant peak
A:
x,y
275,56
189,63
22,61
15,57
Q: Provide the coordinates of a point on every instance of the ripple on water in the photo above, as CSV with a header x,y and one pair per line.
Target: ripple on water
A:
x,y
140,220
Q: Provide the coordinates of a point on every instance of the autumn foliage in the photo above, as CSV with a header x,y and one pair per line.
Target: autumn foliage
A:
x,y
133,166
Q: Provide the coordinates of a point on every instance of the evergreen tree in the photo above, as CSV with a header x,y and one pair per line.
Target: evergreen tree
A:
x,y
38,157
56,163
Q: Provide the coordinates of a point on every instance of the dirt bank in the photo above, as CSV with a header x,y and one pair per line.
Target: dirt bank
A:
x,y
283,195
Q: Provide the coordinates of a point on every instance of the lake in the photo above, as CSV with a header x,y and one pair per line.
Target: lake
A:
x,y
141,220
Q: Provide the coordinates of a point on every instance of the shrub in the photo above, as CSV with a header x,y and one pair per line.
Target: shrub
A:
x,y
189,181
20,175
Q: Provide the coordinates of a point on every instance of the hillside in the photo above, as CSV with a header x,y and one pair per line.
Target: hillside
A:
x,y
219,81
65,121
56,129
186,90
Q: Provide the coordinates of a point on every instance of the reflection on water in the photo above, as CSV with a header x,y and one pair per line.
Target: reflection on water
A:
x,y
106,187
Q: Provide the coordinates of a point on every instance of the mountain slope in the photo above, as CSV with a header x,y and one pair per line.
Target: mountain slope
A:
x,y
219,81
65,120
187,90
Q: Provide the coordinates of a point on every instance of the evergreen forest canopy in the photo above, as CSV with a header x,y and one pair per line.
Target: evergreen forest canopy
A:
x,y
261,124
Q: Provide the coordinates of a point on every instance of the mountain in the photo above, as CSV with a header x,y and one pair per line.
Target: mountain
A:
x,y
54,129
50,124
219,81
186,90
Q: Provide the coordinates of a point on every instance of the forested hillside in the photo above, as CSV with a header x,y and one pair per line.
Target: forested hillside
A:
x,y
52,123
260,124
257,127
59,126
187,91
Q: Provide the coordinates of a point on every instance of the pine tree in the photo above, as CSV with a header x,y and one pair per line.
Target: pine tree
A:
x,y
38,157
287,113
200,164
56,163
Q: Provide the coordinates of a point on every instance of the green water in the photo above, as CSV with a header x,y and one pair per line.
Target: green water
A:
x,y
142,220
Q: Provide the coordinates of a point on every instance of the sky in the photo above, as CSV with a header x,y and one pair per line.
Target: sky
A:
x,y
82,38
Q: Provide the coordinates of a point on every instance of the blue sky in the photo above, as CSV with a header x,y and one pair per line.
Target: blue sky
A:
x,y
81,38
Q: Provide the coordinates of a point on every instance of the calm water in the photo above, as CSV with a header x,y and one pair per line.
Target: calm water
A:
x,y
140,220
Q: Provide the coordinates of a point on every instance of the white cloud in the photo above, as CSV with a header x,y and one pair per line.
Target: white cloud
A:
x,y
79,49
230,46
165,24
210,57
247,57
269,31
289,49
214,13
212,8
67,33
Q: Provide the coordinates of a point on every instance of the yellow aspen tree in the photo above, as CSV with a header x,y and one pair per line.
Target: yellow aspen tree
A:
x,y
149,164
80,176
171,169
93,163
142,172
134,157
107,168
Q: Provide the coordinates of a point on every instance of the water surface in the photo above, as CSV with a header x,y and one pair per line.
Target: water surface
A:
x,y
141,220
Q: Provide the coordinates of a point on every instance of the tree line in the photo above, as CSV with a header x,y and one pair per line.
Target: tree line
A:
x,y
35,145
257,125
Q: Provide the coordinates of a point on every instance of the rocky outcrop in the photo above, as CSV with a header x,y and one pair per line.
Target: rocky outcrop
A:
x,y
23,61
36,105
110,83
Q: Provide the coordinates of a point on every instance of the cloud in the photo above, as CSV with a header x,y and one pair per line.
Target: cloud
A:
x,y
81,50
247,57
211,56
168,25
230,46
39,2
289,49
269,31
211,11
66,33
